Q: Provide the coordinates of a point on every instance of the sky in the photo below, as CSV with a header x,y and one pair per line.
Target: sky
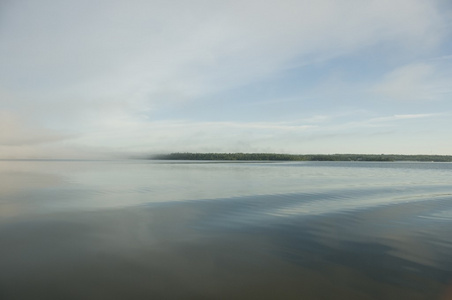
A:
x,y
82,79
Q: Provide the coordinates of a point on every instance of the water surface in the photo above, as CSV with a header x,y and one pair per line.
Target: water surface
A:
x,y
215,230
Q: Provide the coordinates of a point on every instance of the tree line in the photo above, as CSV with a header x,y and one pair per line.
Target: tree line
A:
x,y
302,157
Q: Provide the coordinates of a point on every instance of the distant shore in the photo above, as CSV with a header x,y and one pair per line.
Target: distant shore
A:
x,y
301,157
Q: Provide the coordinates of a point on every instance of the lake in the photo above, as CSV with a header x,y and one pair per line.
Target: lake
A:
x,y
138,229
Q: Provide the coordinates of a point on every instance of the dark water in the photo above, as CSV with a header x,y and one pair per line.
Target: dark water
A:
x,y
185,230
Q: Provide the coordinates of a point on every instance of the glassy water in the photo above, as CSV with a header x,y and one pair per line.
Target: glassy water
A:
x,y
214,230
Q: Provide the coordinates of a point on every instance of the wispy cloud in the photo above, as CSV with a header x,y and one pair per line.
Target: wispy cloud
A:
x,y
392,121
404,117
417,82
443,57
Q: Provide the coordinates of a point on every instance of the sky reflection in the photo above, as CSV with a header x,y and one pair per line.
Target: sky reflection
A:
x,y
107,230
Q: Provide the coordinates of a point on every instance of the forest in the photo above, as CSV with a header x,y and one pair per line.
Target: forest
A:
x,y
301,157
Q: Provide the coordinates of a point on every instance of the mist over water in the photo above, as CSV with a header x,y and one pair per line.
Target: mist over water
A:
x,y
214,230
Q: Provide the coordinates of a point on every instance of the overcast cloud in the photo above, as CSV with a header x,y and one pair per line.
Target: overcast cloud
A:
x,y
91,78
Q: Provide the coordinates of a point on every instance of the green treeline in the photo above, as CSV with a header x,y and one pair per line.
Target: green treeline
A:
x,y
303,157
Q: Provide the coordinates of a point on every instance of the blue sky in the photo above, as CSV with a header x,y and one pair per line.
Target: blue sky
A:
x,y
101,78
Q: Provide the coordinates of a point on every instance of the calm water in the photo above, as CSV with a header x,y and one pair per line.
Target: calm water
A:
x,y
203,230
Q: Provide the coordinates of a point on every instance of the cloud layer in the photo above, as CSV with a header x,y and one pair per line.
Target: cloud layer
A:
x,y
102,72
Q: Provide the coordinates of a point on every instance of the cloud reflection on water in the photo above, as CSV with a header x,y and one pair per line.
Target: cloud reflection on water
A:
x,y
383,244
